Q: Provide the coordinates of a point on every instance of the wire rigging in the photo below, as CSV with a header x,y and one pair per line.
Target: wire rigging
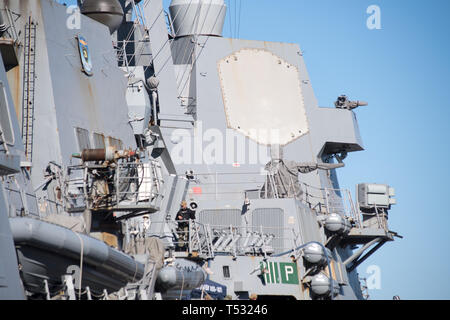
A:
x,y
192,54
194,30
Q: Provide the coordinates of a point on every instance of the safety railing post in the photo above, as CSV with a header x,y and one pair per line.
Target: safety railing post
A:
x,y
189,236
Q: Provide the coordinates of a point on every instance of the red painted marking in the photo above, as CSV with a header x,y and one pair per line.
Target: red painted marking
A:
x,y
197,190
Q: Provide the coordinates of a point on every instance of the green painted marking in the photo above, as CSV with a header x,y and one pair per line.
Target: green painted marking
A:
x,y
277,272
263,267
280,272
289,273
271,272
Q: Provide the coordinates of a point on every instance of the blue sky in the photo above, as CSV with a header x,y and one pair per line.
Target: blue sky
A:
x,y
402,70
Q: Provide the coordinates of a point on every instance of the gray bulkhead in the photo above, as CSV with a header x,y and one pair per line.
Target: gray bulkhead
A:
x,y
11,199
73,100
76,110
330,131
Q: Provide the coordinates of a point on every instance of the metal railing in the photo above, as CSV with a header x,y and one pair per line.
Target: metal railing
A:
x,y
11,29
216,188
329,200
125,186
23,197
123,57
322,200
209,240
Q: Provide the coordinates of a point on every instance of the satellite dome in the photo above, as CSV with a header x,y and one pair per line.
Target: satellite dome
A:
x,y
107,12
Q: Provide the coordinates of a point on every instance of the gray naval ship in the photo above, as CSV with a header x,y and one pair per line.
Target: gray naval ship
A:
x,y
114,112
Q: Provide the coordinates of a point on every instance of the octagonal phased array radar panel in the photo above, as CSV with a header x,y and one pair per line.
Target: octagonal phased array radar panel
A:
x,y
263,97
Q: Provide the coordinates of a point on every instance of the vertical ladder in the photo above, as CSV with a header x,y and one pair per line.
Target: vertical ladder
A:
x,y
29,59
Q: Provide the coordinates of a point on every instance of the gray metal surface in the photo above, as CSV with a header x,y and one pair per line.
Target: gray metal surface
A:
x,y
174,112
109,12
10,284
198,17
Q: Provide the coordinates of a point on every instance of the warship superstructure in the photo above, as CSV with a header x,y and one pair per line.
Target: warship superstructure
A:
x,y
114,112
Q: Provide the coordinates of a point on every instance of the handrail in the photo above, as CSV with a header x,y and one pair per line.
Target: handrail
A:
x,y
230,238
121,52
321,199
134,184
12,25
